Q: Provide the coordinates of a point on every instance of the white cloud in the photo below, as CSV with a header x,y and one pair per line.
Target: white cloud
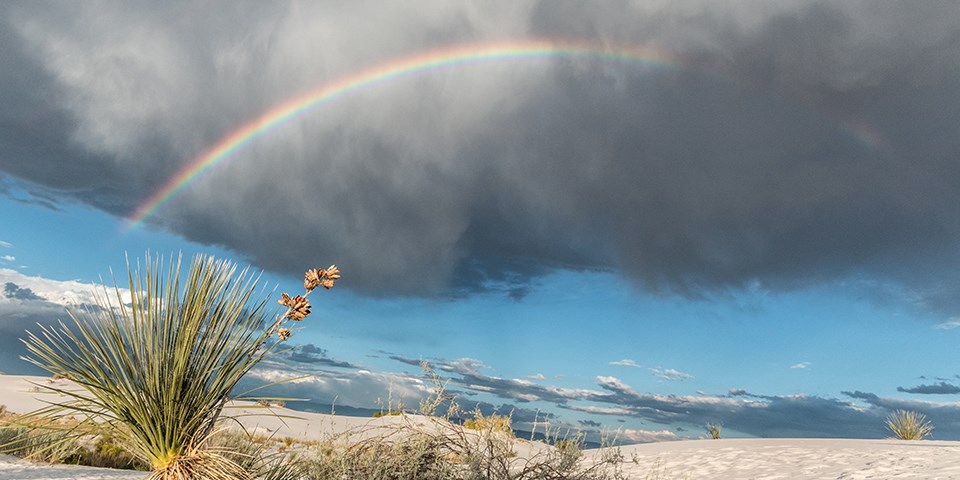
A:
x,y
59,292
629,435
7,258
538,376
670,374
464,366
602,410
954,322
359,388
615,384
5,244
626,362
801,365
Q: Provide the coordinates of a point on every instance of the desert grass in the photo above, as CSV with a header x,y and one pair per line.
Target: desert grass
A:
x,y
909,425
156,373
35,438
442,450
714,429
431,447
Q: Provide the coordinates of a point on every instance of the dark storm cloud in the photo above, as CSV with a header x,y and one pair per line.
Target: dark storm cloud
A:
x,y
941,388
742,164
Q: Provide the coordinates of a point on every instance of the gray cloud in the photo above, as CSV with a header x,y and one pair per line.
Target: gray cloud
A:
x,y
14,291
749,413
15,320
468,376
312,354
741,164
941,388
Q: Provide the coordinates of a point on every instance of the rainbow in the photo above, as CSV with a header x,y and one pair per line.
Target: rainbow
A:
x,y
407,66
403,67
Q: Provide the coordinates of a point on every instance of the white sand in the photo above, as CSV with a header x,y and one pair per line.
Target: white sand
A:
x,y
769,459
697,459
12,468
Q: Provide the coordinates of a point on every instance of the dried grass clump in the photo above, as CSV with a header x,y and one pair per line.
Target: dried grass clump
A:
x,y
909,425
714,429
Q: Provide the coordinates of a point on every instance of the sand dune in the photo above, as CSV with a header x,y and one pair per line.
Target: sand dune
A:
x,y
12,468
714,459
794,459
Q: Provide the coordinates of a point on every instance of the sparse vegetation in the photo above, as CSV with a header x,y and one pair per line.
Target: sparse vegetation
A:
x,y
158,371
909,425
492,423
388,413
714,429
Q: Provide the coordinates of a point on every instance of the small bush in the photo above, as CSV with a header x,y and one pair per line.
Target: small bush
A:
x,y
491,423
909,425
714,430
389,413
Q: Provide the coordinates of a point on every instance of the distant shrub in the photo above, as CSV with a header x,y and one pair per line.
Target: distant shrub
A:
x,y
714,430
388,413
909,425
492,423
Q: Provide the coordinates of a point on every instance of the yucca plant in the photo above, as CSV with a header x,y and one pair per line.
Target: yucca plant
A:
x,y
714,429
909,425
156,373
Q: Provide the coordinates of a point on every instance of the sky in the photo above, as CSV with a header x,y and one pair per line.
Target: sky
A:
x,y
628,216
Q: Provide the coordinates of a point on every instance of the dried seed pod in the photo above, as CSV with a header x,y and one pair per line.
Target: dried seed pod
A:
x,y
284,299
284,333
333,272
299,308
312,278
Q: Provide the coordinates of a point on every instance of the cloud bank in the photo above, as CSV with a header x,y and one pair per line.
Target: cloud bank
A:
x,y
787,143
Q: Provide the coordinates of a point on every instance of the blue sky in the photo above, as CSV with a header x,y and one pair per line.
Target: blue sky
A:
x,y
762,232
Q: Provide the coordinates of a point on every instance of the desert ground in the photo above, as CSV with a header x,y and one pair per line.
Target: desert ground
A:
x,y
691,459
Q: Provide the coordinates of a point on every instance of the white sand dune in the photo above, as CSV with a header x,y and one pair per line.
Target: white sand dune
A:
x,y
793,458
12,468
696,459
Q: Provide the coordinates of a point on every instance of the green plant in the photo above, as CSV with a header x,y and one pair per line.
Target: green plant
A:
x,y
909,425
714,430
157,373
